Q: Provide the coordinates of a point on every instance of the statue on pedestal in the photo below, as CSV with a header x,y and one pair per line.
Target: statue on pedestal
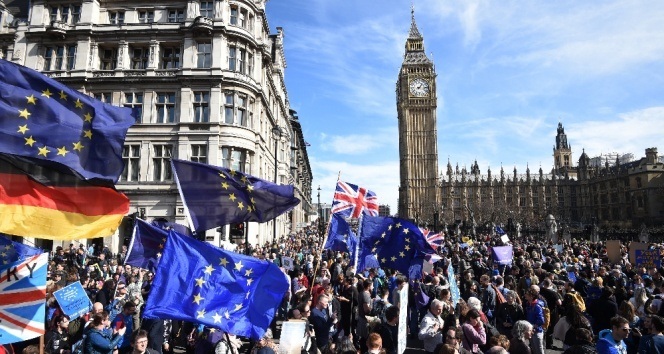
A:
x,y
551,228
644,236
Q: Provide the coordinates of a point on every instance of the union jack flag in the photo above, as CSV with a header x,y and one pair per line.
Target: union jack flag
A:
x,y
353,201
434,240
23,298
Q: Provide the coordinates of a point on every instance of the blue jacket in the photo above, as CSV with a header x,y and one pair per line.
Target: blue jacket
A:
x,y
100,342
535,315
607,345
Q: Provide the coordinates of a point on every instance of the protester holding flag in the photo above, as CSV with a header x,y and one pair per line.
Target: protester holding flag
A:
x,y
101,340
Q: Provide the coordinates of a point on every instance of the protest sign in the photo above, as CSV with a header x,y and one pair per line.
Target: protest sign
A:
x,y
613,251
633,247
73,300
292,337
505,238
403,311
648,258
287,263
454,288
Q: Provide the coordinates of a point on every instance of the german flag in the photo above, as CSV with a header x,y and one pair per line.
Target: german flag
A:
x,y
45,201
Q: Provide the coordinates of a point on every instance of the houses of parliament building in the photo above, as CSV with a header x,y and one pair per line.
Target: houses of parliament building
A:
x,y
611,194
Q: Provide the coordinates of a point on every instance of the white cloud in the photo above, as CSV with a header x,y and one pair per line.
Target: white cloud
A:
x,y
356,144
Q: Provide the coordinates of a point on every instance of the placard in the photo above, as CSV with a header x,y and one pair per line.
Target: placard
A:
x,y
454,288
287,263
633,247
613,251
403,320
558,248
73,300
292,337
648,258
505,238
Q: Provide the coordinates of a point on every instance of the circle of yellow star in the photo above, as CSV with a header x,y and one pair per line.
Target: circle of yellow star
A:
x,y
238,265
43,151
63,95
405,231
250,188
224,185
223,261
22,129
249,281
232,197
238,307
200,281
209,269
222,175
46,93
32,99
24,113
200,314
393,258
398,225
87,117
78,146
88,134
29,141
248,272
62,151
240,205
78,103
217,318
198,298
401,254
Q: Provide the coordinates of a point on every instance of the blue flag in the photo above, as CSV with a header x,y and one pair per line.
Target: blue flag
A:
x,y
339,238
500,231
216,196
147,246
198,282
11,251
44,119
502,255
167,225
397,243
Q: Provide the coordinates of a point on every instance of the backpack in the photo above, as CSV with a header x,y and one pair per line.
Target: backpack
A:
x,y
547,317
500,298
577,300
378,309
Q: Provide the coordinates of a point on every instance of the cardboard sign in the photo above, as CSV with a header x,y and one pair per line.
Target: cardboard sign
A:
x,y
648,259
292,337
403,320
505,239
287,263
73,300
633,247
613,251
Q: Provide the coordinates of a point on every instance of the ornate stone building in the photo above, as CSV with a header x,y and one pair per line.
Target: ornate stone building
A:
x,y
206,79
614,196
416,110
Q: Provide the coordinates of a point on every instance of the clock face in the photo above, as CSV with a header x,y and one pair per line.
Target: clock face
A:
x,y
419,88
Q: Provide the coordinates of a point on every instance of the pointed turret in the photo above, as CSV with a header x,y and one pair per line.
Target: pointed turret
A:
x,y
415,44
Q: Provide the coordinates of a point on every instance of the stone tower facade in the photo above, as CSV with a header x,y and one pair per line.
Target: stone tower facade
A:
x,y
562,152
418,153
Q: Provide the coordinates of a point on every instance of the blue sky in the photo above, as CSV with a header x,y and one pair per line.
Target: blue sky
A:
x,y
508,72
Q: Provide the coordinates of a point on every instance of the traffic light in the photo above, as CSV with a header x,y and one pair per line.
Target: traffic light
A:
x,y
237,230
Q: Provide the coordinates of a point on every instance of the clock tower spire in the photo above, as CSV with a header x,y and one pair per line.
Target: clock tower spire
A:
x,y
419,194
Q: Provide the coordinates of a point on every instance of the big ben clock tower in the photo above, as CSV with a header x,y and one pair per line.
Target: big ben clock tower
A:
x,y
419,195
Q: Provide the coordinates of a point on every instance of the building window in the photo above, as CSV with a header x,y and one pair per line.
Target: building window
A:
x,y
59,57
106,97
207,9
139,58
234,159
134,100
236,109
250,64
170,57
176,15
75,14
64,14
146,16
232,58
204,52
116,17
199,153
54,13
161,162
243,18
165,107
234,15
71,57
201,106
131,156
108,58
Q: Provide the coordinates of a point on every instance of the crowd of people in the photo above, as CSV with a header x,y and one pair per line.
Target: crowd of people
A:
x,y
575,295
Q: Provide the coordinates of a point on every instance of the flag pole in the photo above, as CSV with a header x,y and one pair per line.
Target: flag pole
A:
x,y
327,231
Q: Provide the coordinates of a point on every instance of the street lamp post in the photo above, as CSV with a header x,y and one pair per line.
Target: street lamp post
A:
x,y
276,131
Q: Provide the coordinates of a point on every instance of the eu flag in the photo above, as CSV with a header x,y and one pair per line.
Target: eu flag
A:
x,y
397,243
341,236
44,119
198,282
147,245
11,251
217,196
